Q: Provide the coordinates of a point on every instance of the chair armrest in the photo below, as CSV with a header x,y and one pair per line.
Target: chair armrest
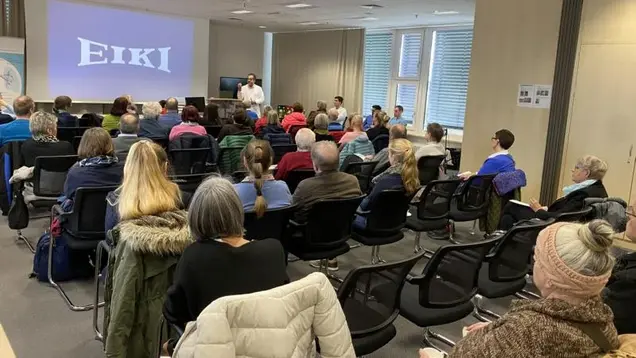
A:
x,y
297,225
363,212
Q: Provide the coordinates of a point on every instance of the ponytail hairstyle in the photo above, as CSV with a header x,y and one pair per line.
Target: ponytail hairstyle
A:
x,y
403,154
257,156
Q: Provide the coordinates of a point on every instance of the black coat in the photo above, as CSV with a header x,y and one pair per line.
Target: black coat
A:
x,y
620,294
573,201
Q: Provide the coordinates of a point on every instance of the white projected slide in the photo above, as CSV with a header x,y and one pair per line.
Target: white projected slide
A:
x,y
94,53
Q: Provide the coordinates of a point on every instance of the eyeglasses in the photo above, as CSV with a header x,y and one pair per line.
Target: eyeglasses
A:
x,y
630,212
495,138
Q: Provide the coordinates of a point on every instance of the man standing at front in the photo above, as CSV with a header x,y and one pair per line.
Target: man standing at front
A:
x,y
252,95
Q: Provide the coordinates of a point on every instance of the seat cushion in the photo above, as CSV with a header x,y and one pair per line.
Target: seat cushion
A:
x,y
307,253
415,224
460,216
411,309
76,243
361,317
368,238
491,289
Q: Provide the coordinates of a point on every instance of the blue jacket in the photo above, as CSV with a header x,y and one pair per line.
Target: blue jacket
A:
x,y
361,145
368,122
497,163
65,119
334,126
92,177
387,182
170,119
151,128
16,130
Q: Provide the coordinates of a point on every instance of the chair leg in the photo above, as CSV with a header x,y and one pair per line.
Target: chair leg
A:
x,y
472,231
527,295
59,289
26,241
426,341
428,334
442,338
98,263
451,230
375,256
479,309
417,247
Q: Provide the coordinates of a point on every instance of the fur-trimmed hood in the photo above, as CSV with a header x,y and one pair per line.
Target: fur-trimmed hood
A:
x,y
162,234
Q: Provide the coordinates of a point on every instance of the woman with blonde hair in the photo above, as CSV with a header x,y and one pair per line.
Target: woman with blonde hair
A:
x,y
380,125
259,190
145,189
401,175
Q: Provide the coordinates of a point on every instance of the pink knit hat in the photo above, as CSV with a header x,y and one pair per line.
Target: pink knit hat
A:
x,y
557,274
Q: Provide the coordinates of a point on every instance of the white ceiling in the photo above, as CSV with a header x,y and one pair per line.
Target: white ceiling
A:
x,y
328,13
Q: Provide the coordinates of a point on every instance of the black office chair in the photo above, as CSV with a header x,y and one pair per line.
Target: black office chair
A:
x,y
281,149
5,118
471,201
189,161
294,177
324,236
363,171
385,218
294,129
271,225
49,176
443,292
575,216
505,268
163,142
431,212
76,142
370,313
189,182
213,130
85,227
428,168
380,142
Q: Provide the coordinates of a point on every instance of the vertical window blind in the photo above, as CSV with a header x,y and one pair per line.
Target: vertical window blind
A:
x,y
377,70
448,79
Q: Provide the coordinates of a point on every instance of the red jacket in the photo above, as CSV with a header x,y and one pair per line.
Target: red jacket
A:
x,y
260,123
294,119
291,161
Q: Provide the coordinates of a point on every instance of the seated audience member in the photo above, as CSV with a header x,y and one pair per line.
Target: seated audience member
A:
x,y
152,234
380,125
132,108
296,118
398,112
321,107
356,126
61,105
433,147
145,177
259,191
587,176
163,106
273,127
211,115
572,265
18,129
189,123
321,124
119,108
500,161
97,166
262,122
342,112
171,117
128,130
215,217
382,157
401,175
620,292
333,120
368,120
239,127
301,159
358,143
43,141
6,109
149,127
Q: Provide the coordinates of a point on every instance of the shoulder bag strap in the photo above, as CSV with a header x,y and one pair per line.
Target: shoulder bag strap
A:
x,y
595,332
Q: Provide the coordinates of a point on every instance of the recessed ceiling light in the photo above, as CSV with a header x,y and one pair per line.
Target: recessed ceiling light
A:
x,y
308,23
371,6
450,12
368,19
262,27
298,6
242,12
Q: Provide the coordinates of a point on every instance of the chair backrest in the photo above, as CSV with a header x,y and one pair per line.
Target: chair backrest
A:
x,y
271,225
278,138
575,216
282,149
67,134
450,277
329,222
114,132
363,171
190,153
435,201
213,130
388,211
294,177
456,156
5,118
49,174
189,182
384,282
294,129
474,194
163,142
380,142
89,209
428,168
508,261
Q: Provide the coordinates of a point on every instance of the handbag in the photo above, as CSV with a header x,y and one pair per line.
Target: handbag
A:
x,y
18,216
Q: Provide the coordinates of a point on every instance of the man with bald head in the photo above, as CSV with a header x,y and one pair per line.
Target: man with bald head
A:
x,y
128,135
334,125
171,118
18,129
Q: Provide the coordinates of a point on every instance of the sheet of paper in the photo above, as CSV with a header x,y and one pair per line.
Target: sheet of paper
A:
x,y
525,96
519,202
542,96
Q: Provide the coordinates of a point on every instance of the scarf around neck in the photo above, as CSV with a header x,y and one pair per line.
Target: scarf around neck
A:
x,y
578,186
45,138
394,169
99,161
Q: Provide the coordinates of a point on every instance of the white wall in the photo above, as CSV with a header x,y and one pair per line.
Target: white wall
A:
x,y
234,52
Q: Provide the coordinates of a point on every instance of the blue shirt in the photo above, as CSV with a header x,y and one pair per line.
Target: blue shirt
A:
x,y
170,119
252,115
14,131
276,194
496,163
334,126
368,122
396,120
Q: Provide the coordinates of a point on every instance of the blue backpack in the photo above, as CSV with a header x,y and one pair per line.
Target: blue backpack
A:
x,y
61,265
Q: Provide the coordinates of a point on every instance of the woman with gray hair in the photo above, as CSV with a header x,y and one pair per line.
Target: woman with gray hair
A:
x,y
301,159
587,175
321,123
43,141
149,126
220,262
321,108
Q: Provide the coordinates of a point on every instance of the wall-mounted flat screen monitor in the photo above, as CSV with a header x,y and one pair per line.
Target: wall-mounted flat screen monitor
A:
x,y
198,102
228,87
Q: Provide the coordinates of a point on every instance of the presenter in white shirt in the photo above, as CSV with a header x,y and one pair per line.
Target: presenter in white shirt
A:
x,y
252,94
342,112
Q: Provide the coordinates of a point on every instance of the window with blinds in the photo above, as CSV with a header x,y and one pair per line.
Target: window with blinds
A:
x,y
377,70
406,97
448,78
410,55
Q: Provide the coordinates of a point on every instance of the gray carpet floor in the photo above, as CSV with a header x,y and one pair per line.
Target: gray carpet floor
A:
x,y
38,323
